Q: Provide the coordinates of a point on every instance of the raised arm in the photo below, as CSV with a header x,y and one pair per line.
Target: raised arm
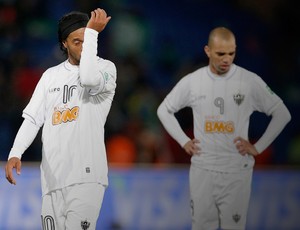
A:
x,y
93,73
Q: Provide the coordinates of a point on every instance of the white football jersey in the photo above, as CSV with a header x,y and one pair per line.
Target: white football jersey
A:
x,y
73,119
221,111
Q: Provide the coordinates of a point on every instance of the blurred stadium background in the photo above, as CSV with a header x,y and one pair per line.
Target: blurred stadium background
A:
x,y
154,44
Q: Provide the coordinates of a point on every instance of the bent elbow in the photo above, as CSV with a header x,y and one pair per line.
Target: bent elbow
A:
x,y
160,110
163,113
282,112
89,80
289,116
89,83
89,77
286,113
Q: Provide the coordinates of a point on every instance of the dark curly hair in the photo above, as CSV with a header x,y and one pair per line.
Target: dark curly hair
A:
x,y
69,23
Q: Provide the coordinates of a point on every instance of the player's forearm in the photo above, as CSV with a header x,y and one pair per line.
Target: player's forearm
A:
x,y
171,124
280,117
89,71
24,138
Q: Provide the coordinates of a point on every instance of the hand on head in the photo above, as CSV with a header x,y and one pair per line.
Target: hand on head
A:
x,y
98,20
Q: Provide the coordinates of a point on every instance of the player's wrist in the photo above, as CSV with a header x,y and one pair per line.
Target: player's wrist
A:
x,y
15,152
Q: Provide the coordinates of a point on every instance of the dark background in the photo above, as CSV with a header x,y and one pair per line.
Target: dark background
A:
x,y
153,44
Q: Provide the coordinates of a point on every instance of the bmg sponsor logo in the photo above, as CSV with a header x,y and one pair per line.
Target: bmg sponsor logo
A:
x,y
64,116
219,126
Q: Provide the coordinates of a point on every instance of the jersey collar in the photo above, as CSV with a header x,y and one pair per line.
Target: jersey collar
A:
x,y
71,67
227,75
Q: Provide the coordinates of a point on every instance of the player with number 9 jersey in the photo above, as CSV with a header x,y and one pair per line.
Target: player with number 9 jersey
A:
x,y
221,110
222,97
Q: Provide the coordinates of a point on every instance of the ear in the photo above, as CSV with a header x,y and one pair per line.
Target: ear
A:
x,y
64,43
207,50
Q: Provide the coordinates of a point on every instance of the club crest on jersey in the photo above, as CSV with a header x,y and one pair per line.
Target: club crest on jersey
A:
x,y
238,98
192,207
236,218
85,224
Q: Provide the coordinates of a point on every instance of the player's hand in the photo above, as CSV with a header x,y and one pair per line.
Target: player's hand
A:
x,y
12,163
245,147
192,147
98,20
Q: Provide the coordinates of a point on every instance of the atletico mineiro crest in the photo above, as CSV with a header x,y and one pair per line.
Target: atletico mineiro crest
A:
x,y
236,218
238,98
85,224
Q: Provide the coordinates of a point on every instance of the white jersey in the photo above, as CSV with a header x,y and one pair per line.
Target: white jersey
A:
x,y
221,111
73,119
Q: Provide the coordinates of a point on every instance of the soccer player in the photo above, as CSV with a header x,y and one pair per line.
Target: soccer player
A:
x,y
222,96
71,102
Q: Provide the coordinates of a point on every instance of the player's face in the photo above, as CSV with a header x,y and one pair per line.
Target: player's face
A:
x,y
221,54
73,44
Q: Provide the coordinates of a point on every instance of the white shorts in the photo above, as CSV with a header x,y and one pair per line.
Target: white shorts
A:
x,y
74,207
219,200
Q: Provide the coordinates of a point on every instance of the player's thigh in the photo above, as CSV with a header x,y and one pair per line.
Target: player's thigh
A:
x,y
235,200
83,205
203,209
51,215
